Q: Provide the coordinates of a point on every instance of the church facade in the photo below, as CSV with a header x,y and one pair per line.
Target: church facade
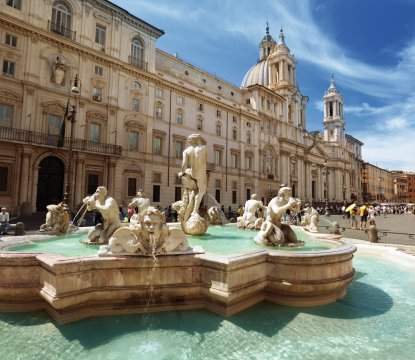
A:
x,y
135,106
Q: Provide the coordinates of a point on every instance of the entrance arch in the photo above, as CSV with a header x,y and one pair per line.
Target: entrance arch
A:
x,y
50,182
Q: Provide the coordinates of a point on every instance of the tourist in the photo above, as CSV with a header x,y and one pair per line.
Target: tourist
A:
x,y
353,221
372,214
130,212
240,210
4,221
363,212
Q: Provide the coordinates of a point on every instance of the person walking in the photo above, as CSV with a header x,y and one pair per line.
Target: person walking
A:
x,y
353,221
4,221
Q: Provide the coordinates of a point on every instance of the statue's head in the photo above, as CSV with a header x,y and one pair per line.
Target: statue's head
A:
x,y
196,139
254,197
285,191
153,221
102,191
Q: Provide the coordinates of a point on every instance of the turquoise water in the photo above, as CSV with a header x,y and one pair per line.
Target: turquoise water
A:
x,y
221,240
375,320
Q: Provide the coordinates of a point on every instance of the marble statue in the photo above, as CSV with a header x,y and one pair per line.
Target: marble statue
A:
x,y
310,219
57,219
216,216
151,236
194,179
58,73
249,219
109,210
273,231
141,203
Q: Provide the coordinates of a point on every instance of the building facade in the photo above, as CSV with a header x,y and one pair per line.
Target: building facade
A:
x,y
378,185
137,105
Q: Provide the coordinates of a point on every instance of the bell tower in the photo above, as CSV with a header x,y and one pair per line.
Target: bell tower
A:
x,y
334,123
266,46
282,67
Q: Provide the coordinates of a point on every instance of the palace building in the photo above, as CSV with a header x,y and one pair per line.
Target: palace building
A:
x,y
134,107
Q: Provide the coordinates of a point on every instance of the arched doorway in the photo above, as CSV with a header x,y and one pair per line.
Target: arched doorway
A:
x,y
50,182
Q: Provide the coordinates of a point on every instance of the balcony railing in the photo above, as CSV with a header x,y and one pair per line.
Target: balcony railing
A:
x,y
61,30
31,137
139,63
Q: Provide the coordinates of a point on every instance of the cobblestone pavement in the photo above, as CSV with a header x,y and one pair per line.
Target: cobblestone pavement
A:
x,y
392,229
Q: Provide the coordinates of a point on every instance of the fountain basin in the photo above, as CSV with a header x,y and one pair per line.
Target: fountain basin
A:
x,y
74,288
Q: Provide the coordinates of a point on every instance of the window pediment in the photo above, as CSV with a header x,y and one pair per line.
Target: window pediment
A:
x,y
134,124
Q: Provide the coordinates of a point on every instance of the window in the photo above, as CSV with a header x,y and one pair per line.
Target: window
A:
x,y
157,177
8,68
136,105
234,195
4,177
93,183
94,132
178,150
156,193
136,85
179,118
54,124
268,105
133,140
248,137
200,107
217,195
137,53
234,161
159,112
218,157
99,71
61,19
234,134
180,100
177,193
157,145
17,4
249,163
97,94
6,115
199,124
234,119
218,113
131,186
218,130
100,31
11,40
159,93
217,183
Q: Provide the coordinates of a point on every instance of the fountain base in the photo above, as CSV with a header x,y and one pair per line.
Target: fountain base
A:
x,y
71,289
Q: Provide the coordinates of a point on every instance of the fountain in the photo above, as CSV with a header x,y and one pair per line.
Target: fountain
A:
x,y
116,281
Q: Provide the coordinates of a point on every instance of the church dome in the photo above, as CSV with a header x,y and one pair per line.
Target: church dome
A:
x,y
256,75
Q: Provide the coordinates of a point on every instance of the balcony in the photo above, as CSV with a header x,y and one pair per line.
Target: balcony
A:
x,y
31,137
139,63
61,30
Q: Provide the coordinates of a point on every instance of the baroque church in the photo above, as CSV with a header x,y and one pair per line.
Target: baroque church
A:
x,y
93,70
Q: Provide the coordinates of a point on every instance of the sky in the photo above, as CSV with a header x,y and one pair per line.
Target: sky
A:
x,y
369,46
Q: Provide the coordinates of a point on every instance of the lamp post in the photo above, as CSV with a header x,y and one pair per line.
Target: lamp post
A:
x,y
75,90
326,173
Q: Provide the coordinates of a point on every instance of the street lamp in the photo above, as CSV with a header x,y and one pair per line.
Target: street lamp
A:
x,y
326,173
75,90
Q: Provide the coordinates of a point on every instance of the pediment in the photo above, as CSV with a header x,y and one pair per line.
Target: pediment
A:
x,y
317,150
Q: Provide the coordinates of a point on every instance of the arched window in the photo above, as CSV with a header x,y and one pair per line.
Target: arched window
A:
x,y
61,19
137,50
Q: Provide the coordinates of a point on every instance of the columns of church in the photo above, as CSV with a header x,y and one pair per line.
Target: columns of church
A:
x,y
308,180
339,187
24,177
300,177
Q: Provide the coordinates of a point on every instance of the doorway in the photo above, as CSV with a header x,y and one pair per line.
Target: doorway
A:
x,y
50,182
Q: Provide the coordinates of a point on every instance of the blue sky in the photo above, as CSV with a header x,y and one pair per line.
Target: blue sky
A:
x,y
369,45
